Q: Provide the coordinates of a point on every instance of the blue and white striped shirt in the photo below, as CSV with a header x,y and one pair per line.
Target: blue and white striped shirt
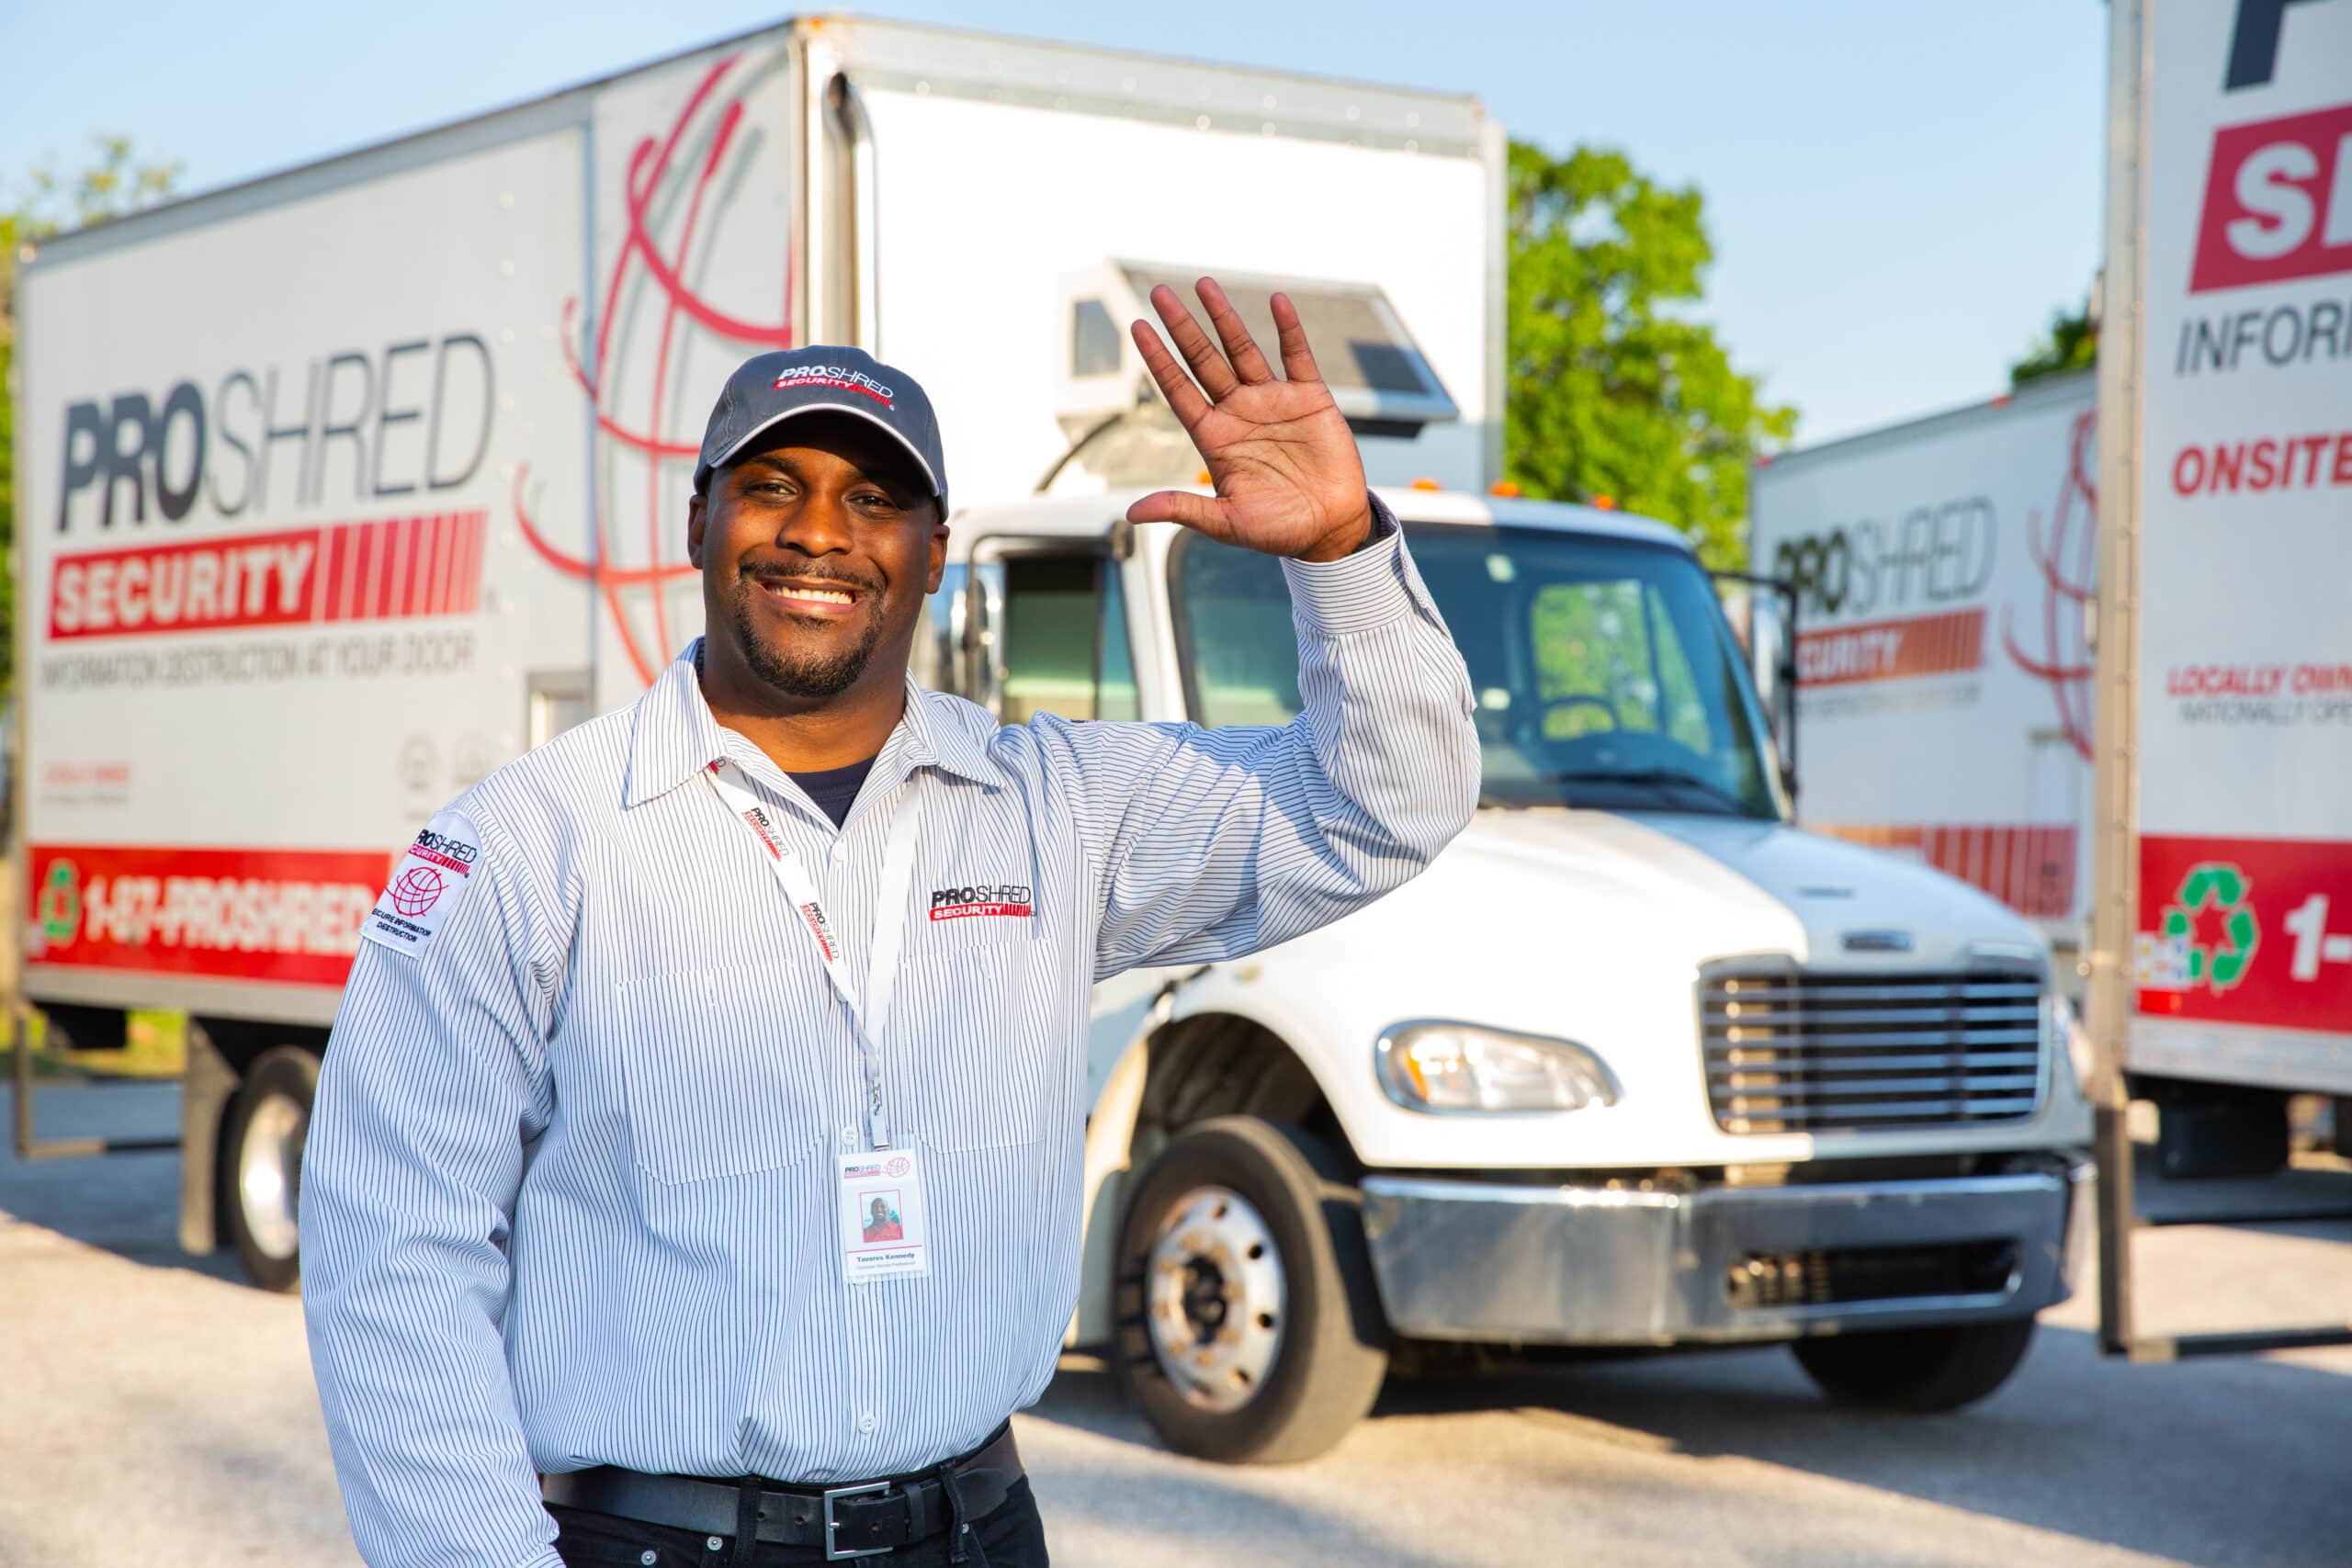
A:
x,y
568,1198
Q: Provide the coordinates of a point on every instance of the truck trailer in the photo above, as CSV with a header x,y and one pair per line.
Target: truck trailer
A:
x,y
1941,568
2222,916
345,486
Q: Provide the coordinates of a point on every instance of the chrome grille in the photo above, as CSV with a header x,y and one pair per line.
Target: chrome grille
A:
x,y
1793,1052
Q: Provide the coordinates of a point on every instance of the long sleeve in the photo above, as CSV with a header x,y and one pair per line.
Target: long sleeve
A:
x,y
1211,843
435,1086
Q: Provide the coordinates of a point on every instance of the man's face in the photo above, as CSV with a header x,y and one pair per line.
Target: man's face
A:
x,y
817,546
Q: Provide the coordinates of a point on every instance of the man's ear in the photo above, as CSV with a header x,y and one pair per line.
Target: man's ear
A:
x,y
697,519
938,550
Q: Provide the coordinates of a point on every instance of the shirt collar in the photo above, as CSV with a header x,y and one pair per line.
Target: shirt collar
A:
x,y
676,737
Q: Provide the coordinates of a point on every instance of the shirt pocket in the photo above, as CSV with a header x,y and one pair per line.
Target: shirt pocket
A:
x,y
722,1074
976,1045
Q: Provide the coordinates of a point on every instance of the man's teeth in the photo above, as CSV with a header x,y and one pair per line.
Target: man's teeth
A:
x,y
822,595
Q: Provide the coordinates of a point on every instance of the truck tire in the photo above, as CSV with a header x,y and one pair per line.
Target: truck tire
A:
x,y
261,1164
1247,1327
1917,1370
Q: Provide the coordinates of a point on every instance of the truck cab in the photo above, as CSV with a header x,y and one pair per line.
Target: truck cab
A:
x,y
1635,1063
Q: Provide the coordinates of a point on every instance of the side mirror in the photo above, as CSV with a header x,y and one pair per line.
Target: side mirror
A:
x,y
1766,623
982,607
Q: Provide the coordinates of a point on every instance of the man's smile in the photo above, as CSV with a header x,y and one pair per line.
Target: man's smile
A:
x,y
824,597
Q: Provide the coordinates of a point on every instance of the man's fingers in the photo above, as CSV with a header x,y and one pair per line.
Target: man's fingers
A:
x,y
1239,348
1216,376
1182,397
1298,360
1203,512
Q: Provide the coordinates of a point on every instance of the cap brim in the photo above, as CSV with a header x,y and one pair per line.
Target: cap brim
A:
x,y
737,445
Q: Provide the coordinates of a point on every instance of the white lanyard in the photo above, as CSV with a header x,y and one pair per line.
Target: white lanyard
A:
x,y
871,1013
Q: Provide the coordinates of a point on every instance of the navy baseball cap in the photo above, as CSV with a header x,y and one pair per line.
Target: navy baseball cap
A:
x,y
769,388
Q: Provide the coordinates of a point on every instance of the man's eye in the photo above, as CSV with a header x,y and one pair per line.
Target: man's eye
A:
x,y
871,498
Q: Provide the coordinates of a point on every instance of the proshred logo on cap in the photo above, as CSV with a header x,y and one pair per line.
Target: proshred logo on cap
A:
x,y
840,376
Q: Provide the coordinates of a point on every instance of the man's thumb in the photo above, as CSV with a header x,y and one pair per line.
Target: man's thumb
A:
x,y
1205,512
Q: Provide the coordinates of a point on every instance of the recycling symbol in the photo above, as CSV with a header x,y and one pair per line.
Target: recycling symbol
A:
x,y
58,908
2220,886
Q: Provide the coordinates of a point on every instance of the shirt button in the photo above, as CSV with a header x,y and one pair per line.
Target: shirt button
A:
x,y
849,1137
865,1422
715,1543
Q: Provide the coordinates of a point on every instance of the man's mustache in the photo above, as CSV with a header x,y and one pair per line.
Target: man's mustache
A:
x,y
809,571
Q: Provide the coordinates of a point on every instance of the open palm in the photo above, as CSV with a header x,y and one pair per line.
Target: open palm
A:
x,y
1288,479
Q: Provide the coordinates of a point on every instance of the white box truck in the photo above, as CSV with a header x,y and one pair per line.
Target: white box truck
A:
x,y
1941,568
348,484
2222,921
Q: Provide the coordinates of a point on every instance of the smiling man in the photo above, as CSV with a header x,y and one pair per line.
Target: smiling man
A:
x,y
695,1173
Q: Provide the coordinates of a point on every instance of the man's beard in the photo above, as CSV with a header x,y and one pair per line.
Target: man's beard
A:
x,y
818,678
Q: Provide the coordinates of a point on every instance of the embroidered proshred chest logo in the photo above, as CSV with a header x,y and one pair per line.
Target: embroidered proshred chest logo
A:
x,y
960,903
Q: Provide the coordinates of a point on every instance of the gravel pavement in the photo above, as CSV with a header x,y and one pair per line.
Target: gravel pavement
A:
x,y
154,1410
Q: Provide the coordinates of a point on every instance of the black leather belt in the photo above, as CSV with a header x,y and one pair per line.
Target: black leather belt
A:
x,y
847,1522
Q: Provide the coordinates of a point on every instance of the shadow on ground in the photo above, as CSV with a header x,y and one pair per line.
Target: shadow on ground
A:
x,y
2230,1460
127,1205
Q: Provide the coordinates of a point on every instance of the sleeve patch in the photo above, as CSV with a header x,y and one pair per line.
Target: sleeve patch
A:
x,y
427,884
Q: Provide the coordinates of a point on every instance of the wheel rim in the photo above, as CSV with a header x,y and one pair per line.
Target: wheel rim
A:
x,y
1213,1298
269,1164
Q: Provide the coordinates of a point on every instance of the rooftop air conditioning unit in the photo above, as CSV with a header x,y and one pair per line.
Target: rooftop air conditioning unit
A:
x,y
1120,429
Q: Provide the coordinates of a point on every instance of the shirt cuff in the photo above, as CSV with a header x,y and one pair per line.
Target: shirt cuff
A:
x,y
1369,587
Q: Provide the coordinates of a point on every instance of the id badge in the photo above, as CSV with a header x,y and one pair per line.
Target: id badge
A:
x,y
884,1232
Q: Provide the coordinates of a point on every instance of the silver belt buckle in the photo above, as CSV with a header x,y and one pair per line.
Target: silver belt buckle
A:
x,y
832,1553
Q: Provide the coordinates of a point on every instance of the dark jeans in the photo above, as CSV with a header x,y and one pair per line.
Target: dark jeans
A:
x,y
1011,1536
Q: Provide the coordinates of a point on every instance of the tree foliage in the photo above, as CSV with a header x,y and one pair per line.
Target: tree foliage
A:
x,y
114,182
2070,342
1616,394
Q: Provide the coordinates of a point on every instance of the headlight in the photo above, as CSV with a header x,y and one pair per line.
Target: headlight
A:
x,y
1432,1064
2061,1027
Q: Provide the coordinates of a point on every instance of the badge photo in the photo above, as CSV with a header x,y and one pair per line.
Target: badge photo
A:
x,y
884,1232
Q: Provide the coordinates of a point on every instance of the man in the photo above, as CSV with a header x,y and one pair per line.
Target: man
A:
x,y
581,1192
881,1225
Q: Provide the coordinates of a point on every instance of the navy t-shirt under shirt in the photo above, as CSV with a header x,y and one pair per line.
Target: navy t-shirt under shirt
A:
x,y
836,789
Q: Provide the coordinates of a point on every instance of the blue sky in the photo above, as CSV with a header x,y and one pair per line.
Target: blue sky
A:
x,y
1899,194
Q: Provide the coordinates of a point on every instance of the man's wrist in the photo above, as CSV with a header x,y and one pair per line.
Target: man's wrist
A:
x,y
1343,541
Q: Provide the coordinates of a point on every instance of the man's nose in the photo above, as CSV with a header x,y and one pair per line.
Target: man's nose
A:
x,y
820,525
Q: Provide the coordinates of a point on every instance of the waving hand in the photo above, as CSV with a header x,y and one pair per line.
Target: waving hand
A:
x,y
1288,479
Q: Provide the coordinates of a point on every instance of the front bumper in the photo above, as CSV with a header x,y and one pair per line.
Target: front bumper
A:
x,y
1606,1266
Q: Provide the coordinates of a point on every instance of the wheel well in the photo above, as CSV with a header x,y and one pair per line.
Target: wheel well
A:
x,y
240,1039
1224,1064
238,1042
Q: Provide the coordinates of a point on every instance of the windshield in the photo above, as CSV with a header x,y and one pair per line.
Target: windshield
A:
x,y
1603,670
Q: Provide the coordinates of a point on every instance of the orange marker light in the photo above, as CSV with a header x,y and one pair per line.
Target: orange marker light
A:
x,y
1503,488
1605,502
1425,484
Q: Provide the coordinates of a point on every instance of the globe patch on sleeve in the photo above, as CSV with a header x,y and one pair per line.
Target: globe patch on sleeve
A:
x,y
427,884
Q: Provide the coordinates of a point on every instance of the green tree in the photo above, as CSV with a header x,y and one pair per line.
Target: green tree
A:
x,y
2070,342
1616,395
114,183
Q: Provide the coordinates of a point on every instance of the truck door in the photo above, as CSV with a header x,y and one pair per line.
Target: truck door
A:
x,y
1046,630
